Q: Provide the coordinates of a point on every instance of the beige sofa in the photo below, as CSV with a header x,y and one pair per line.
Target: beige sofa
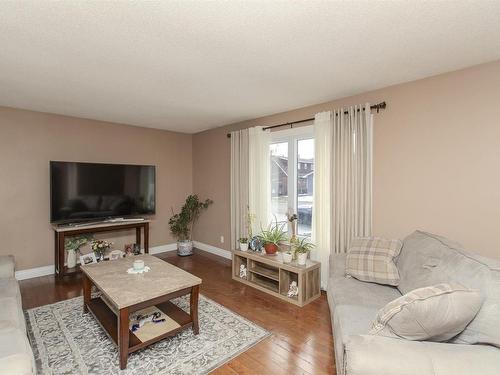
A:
x,y
426,259
16,356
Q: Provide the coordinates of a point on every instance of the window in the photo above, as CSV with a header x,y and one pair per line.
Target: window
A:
x,y
292,175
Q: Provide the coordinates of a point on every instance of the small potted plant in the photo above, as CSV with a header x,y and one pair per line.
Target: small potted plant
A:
x,y
287,256
99,247
72,246
302,248
273,236
182,223
243,243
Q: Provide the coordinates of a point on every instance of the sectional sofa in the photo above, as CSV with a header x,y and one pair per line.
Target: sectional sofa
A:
x,y
16,356
425,259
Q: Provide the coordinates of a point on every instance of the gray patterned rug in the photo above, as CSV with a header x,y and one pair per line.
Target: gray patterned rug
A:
x,y
66,341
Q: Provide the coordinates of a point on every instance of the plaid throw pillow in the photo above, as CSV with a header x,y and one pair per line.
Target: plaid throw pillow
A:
x,y
372,259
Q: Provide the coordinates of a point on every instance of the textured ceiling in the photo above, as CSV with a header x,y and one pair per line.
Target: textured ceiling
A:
x,y
190,66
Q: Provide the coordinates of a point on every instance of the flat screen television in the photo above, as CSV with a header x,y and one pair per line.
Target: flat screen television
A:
x,y
93,191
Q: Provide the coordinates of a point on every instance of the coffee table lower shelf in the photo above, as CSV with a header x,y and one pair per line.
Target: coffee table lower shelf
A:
x,y
109,322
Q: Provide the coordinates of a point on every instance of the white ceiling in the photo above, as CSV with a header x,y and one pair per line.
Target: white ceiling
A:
x,y
190,66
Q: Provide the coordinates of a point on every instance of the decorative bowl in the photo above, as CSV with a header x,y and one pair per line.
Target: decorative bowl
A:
x,y
138,264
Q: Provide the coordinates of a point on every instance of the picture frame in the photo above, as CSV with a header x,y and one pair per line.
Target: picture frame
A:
x,y
116,254
128,249
88,258
137,249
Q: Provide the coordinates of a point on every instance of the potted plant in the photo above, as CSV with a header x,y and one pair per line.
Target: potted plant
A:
x,y
302,248
243,243
273,236
99,247
287,256
182,223
72,246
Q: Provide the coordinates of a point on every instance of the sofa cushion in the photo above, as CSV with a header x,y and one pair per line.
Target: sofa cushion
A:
x,y
371,259
427,259
9,287
6,266
349,291
11,314
377,355
434,313
16,356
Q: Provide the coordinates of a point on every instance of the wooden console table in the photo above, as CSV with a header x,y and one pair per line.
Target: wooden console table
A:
x,y
269,274
61,232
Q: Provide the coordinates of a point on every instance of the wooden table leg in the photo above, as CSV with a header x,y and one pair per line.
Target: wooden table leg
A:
x,y
146,238
123,337
195,291
60,237
56,254
138,236
87,287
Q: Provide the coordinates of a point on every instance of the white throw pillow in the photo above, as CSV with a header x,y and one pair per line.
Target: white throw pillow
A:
x,y
371,259
433,313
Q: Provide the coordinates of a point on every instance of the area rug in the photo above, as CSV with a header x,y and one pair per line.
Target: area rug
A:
x,y
67,341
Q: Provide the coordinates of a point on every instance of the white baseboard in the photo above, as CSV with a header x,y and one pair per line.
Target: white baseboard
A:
x,y
35,272
49,270
162,248
212,249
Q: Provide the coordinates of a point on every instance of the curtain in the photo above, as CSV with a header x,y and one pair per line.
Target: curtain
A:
x,y
352,175
259,177
322,212
239,185
250,182
342,182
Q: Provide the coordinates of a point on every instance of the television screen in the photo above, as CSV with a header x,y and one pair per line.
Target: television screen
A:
x,y
91,191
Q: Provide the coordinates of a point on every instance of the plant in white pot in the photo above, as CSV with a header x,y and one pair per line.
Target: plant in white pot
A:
x,y
182,223
72,246
287,256
302,248
243,243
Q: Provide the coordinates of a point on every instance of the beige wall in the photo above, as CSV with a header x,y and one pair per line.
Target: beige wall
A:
x,y
436,159
28,140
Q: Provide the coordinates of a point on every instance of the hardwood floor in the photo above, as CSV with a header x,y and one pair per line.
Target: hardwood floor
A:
x,y
301,341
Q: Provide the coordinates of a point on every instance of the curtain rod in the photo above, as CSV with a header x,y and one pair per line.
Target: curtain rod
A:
x,y
378,107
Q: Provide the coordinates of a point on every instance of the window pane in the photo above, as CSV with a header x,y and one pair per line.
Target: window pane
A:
x,y
279,180
305,177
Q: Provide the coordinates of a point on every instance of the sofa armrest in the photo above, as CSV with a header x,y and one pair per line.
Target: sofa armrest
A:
x,y
6,266
372,355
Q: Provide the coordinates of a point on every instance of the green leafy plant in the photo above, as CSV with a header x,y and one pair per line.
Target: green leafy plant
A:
x,y
182,224
74,243
243,240
303,246
274,233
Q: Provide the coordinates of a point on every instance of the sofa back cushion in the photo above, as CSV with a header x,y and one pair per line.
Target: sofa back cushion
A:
x,y
427,259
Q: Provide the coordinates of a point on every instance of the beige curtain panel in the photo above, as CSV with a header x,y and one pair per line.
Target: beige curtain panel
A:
x,y
342,181
239,184
352,151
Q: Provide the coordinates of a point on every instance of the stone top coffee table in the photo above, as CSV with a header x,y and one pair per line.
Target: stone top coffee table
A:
x,y
123,294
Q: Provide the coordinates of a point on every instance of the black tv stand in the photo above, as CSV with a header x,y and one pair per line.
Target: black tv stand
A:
x,y
61,232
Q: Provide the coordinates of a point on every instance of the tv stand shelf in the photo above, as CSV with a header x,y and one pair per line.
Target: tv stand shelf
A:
x,y
269,274
61,232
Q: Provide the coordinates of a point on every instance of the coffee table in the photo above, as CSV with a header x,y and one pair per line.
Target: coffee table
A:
x,y
123,293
